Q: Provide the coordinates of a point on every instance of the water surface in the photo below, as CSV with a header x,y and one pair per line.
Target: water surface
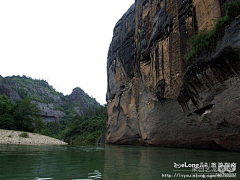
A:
x,y
23,162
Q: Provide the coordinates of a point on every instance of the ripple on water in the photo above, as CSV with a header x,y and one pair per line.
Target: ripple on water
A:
x,y
91,176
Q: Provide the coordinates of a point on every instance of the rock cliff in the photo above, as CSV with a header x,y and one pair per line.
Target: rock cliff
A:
x,y
154,97
6,89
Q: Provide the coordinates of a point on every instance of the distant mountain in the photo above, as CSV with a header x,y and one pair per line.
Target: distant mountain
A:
x,y
53,105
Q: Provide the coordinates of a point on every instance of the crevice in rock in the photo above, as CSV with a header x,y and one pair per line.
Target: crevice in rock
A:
x,y
204,110
160,89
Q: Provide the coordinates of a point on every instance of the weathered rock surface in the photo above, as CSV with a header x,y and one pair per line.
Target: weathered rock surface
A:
x,y
49,113
153,98
6,89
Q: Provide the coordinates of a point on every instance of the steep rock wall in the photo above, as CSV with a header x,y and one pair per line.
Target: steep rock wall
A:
x,y
153,98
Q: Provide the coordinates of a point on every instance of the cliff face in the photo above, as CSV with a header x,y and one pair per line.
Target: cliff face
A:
x,y
153,97
6,89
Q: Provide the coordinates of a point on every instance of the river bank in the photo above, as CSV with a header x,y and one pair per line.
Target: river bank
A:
x,y
20,137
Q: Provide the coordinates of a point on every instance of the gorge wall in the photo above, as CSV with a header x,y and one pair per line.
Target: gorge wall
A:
x,y
153,97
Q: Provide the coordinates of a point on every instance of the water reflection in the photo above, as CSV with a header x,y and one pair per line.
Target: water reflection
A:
x,y
91,176
95,175
19,162
55,162
124,162
134,162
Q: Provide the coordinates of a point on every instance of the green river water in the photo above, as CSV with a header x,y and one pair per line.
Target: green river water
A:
x,y
22,162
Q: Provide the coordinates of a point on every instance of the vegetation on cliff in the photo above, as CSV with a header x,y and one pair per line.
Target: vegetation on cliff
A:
x,y
35,89
207,40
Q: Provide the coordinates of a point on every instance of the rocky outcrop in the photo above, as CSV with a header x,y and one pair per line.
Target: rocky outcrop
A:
x,y
49,113
6,89
53,105
83,102
153,97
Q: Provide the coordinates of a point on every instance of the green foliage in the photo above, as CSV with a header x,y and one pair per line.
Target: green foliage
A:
x,y
6,115
79,129
7,121
23,115
69,108
36,98
62,96
86,130
24,135
207,40
52,129
82,129
58,108
66,120
5,104
233,9
27,115
22,93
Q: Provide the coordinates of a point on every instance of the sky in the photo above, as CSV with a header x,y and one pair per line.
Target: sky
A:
x,y
64,42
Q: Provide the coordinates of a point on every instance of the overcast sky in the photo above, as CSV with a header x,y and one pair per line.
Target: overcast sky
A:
x,y
64,42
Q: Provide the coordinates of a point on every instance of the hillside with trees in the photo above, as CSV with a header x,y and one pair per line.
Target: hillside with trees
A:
x,y
35,106
22,115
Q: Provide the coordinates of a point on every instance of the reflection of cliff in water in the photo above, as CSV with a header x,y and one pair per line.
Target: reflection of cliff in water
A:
x,y
134,162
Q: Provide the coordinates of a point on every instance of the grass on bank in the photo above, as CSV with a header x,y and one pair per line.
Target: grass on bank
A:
x,y
24,135
207,40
